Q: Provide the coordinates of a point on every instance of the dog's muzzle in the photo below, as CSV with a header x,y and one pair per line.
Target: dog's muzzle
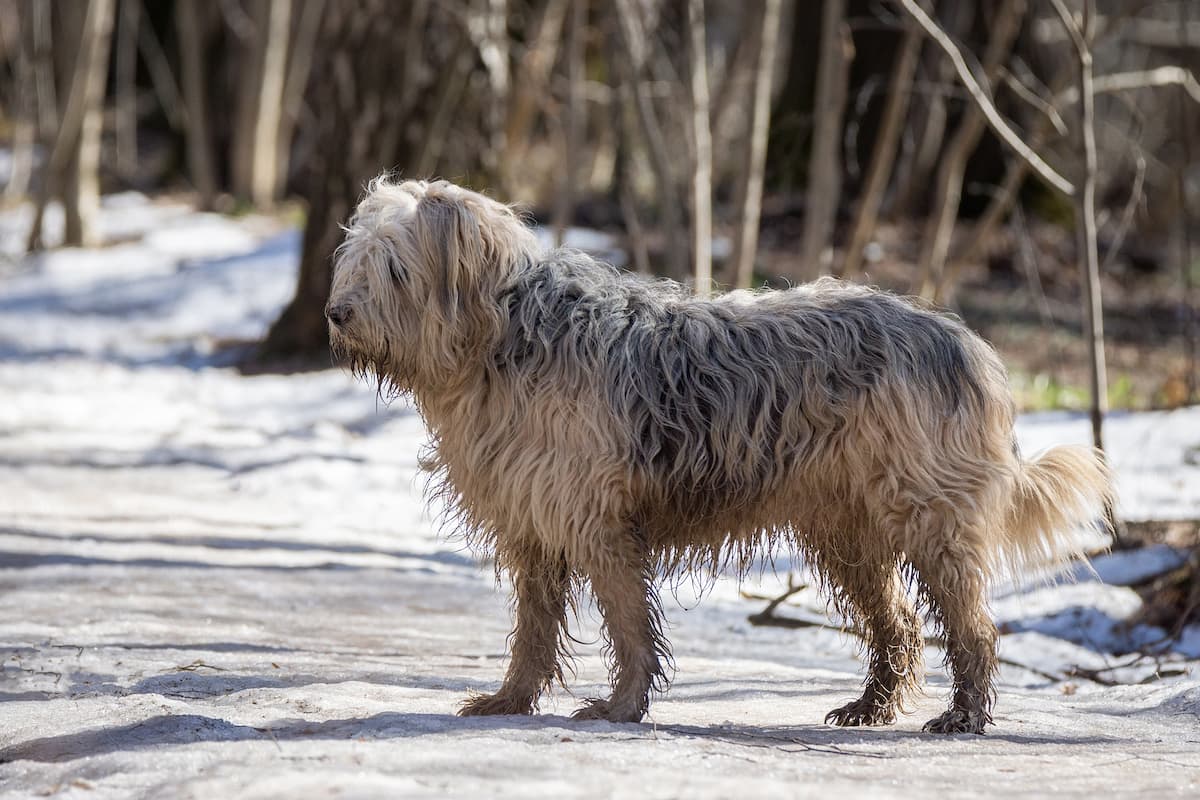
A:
x,y
339,315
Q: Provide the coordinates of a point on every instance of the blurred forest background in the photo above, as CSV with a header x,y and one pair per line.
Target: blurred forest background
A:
x,y
987,155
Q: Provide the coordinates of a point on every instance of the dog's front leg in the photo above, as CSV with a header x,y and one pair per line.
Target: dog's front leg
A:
x,y
622,582
540,586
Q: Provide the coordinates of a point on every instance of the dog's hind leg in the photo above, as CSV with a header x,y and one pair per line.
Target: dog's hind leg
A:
x,y
541,587
951,565
874,597
622,582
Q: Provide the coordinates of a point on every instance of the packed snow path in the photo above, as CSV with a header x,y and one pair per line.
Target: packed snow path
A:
x,y
223,586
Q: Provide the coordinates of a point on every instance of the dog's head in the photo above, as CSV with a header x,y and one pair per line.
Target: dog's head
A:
x,y
416,281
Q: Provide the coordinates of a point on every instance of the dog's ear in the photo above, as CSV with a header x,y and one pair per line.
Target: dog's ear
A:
x,y
452,246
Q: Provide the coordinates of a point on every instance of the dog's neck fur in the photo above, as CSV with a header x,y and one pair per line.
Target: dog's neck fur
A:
x,y
450,386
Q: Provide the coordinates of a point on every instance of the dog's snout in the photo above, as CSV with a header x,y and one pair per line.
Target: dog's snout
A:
x,y
339,315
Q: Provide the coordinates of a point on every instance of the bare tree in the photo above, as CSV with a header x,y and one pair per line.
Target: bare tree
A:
x,y
356,72
1081,33
192,35
1044,126
926,131
491,39
999,204
25,109
264,31
248,23
450,91
126,117
935,249
264,166
701,151
746,242
626,174
629,69
825,164
981,98
158,66
883,155
72,169
573,129
532,79
300,61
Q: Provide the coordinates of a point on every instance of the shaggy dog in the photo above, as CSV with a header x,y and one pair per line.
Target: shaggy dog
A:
x,y
590,427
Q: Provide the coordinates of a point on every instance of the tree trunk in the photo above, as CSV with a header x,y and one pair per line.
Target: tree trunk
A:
x,y
493,51
746,241
825,163
629,68
25,116
626,168
1085,215
73,166
573,129
85,178
298,70
354,79
42,37
883,155
161,77
533,76
126,116
193,35
264,167
250,65
702,151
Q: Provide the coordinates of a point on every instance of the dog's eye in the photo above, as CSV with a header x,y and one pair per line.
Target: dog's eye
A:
x,y
399,273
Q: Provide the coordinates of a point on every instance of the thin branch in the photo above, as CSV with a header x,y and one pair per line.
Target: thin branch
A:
x,y
161,77
995,121
1072,26
1085,212
768,618
1140,79
1131,206
1044,107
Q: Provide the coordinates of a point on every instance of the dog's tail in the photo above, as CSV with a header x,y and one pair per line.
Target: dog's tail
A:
x,y
1057,496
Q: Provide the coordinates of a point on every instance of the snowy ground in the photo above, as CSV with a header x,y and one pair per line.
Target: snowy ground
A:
x,y
218,586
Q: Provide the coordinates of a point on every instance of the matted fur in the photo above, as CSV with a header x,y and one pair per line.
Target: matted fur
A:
x,y
593,428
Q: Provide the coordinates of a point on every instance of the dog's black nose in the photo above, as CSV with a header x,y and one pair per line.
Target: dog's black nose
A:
x,y
339,315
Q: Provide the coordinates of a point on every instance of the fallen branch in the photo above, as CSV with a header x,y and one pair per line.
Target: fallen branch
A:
x,y
198,665
768,618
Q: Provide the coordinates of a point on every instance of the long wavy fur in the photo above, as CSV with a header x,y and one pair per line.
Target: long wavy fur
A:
x,y
626,429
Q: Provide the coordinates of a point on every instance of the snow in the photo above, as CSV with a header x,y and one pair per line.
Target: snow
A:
x,y
217,585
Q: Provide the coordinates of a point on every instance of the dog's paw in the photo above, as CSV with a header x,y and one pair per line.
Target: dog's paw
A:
x,y
606,710
958,720
486,705
860,712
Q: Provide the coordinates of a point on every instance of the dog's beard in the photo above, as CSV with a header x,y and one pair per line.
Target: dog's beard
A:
x,y
374,364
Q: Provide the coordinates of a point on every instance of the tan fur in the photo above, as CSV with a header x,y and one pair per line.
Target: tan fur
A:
x,y
591,428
